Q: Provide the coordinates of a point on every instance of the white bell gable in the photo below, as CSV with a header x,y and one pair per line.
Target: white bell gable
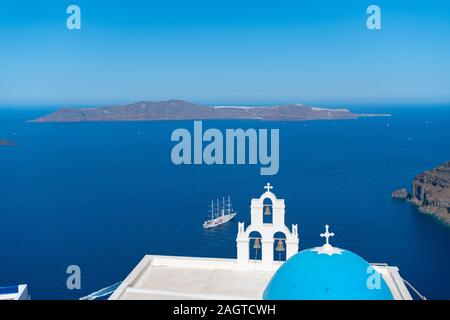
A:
x,y
267,232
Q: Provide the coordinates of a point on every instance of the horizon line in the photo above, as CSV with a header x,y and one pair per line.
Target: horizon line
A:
x,y
316,103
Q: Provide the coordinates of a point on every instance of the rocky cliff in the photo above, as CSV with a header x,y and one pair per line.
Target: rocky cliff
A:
x,y
431,192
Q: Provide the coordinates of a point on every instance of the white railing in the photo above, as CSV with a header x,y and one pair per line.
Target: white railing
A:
x,y
102,293
415,290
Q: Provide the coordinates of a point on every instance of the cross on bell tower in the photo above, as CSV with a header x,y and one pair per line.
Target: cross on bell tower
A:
x,y
268,187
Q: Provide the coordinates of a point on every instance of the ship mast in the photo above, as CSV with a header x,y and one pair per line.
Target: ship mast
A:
x,y
229,205
218,207
212,209
223,206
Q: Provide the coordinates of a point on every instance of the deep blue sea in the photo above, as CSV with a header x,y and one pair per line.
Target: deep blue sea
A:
x,y
102,195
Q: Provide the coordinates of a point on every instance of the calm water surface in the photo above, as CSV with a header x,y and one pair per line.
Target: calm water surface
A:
x,y
102,195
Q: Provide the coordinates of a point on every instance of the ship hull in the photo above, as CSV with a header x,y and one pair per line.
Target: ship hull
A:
x,y
218,221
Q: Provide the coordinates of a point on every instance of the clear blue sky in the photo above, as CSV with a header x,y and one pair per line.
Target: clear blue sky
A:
x,y
224,51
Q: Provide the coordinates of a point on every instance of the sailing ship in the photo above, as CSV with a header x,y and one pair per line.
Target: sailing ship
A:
x,y
220,214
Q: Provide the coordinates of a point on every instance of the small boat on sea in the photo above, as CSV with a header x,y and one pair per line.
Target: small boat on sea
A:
x,y
220,214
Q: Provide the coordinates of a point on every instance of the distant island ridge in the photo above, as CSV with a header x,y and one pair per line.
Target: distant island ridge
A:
x,y
183,110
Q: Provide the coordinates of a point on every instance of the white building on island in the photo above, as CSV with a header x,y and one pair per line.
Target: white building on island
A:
x,y
260,270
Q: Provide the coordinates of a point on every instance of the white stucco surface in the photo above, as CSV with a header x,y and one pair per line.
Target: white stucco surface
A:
x,y
166,277
21,294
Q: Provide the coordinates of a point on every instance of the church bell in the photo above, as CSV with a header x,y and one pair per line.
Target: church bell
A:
x,y
257,244
280,246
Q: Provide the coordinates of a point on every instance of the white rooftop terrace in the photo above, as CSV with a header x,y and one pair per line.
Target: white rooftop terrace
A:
x,y
19,292
190,278
169,277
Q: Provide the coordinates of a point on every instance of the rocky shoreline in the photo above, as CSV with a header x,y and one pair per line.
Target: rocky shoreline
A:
x,y
430,192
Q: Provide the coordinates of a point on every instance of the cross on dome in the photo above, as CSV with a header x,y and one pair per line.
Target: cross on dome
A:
x,y
327,248
268,187
327,234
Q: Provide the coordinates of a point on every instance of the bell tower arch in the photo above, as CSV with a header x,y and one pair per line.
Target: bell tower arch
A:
x,y
267,231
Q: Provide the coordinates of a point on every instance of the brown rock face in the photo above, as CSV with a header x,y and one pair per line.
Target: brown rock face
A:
x,y
400,194
431,191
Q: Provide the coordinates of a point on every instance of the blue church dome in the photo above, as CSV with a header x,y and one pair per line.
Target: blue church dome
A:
x,y
327,273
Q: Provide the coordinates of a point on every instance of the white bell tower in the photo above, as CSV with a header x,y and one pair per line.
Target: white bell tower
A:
x,y
267,232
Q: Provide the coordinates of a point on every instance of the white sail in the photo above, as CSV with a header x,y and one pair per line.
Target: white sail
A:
x,y
220,215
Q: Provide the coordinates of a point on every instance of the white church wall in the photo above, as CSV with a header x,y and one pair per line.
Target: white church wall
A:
x,y
266,230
